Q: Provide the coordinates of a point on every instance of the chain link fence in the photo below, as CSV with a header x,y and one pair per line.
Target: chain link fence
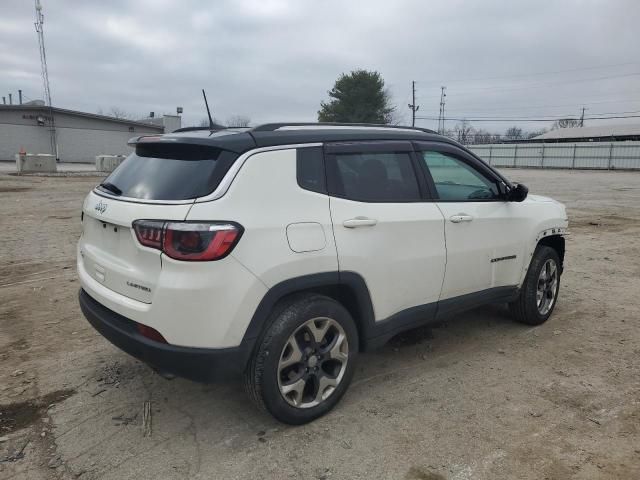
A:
x,y
587,155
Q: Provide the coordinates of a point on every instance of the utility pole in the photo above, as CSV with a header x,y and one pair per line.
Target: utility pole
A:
x,y
45,77
412,106
582,118
443,96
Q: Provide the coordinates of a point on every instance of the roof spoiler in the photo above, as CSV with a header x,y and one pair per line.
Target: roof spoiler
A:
x,y
214,127
133,141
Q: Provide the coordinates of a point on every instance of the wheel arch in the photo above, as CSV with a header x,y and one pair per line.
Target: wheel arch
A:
x,y
347,288
557,242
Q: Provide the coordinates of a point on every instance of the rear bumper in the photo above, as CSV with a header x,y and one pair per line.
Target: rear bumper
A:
x,y
199,364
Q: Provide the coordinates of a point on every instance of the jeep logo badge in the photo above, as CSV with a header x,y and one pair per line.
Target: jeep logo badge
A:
x,y
101,207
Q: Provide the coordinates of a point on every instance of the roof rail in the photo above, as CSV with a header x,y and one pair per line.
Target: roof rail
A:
x,y
270,127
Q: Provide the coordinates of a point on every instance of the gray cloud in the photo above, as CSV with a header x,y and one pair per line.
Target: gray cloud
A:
x,y
275,60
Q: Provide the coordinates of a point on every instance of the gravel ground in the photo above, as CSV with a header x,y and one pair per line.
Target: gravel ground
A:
x,y
479,397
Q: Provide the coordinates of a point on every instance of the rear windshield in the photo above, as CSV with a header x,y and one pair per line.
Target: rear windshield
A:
x,y
169,172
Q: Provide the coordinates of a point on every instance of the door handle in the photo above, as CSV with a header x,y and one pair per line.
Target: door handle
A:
x,y
460,218
359,222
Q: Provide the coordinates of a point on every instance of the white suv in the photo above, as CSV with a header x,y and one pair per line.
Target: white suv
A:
x,y
280,252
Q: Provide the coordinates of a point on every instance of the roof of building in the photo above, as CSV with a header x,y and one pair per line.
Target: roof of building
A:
x,y
243,139
600,131
95,116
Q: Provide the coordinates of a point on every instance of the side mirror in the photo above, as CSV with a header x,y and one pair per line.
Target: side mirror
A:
x,y
518,193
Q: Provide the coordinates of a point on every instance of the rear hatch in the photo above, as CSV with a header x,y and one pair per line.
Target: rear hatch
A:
x,y
157,182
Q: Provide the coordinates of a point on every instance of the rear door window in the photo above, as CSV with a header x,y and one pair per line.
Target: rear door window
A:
x,y
372,176
169,172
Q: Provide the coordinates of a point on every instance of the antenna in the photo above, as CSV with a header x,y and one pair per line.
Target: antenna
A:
x,y
45,76
208,111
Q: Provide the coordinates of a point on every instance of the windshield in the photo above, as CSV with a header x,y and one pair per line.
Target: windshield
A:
x,y
169,172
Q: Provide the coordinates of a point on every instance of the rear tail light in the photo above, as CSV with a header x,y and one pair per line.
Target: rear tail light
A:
x,y
191,241
149,233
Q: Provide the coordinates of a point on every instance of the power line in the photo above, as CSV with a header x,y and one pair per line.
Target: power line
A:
x,y
528,107
475,91
502,119
535,74
550,117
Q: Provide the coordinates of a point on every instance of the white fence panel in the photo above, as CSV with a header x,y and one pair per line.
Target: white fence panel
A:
x,y
593,156
625,156
584,155
557,155
529,156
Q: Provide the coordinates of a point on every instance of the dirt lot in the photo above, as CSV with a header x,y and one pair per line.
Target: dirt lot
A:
x,y
477,398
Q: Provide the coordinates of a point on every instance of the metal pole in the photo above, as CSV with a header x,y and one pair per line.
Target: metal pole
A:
x,y
542,159
610,155
490,153
573,159
413,104
515,155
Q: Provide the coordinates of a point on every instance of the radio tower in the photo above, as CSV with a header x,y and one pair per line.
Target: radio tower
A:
x,y
45,77
443,95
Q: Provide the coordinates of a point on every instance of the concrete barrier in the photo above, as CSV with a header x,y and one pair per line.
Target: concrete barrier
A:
x,y
36,163
108,163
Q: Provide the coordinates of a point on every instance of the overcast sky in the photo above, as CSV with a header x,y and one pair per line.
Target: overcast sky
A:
x,y
275,60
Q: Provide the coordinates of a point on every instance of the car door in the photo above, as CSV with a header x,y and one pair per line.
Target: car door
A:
x,y
485,234
386,228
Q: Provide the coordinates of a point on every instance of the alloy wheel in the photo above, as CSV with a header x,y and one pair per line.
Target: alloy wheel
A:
x,y
547,288
313,362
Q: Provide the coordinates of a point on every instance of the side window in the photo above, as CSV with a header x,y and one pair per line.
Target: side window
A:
x,y
374,177
310,169
455,180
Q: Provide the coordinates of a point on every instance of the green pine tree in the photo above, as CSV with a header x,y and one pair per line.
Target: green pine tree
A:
x,y
357,97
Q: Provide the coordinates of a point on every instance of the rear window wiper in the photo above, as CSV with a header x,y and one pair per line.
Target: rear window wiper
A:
x,y
111,187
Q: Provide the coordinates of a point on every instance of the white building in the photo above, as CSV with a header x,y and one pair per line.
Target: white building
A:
x,y
597,133
79,136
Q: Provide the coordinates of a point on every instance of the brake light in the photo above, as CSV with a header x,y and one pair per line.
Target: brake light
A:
x,y
190,241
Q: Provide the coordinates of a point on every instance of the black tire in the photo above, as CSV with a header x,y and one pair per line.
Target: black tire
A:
x,y
525,308
264,372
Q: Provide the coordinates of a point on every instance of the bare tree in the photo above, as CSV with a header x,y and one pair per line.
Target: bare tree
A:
x,y
396,117
566,123
463,132
205,122
536,133
514,133
117,112
480,137
238,121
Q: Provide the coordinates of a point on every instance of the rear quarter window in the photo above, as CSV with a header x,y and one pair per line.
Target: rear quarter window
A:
x,y
310,169
170,172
